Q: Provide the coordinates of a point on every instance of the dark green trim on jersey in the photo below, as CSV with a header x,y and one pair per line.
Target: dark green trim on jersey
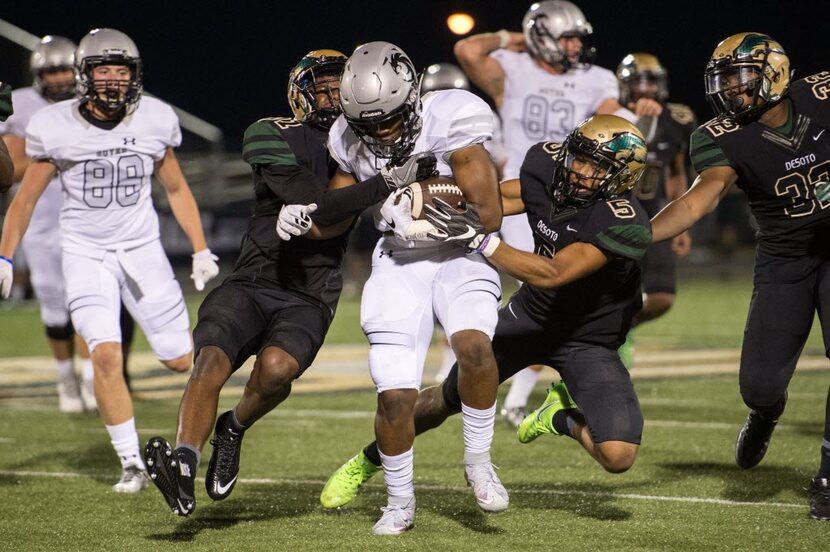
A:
x,y
704,152
264,145
787,128
629,240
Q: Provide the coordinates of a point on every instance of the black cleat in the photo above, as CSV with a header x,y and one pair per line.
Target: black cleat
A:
x,y
819,494
755,436
223,468
171,476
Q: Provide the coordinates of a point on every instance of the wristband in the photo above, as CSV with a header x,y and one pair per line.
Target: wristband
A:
x,y
488,245
504,38
11,262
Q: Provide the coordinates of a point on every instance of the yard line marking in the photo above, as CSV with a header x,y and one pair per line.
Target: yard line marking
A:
x,y
559,492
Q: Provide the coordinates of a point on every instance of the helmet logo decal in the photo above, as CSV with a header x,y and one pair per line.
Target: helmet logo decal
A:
x,y
402,66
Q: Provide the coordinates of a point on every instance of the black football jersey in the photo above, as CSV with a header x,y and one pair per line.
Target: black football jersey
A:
x,y
674,125
598,308
779,168
290,164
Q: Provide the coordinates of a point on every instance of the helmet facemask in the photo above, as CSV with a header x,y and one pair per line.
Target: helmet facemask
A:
x,y
54,89
588,171
548,48
734,91
392,135
111,96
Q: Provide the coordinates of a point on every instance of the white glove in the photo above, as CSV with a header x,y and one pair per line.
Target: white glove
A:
x,y
6,276
205,268
399,218
294,220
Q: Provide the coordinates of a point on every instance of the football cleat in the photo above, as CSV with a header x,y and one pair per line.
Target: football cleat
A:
x,y
396,519
223,469
754,437
69,395
819,494
490,494
514,416
133,480
540,421
343,485
173,477
88,396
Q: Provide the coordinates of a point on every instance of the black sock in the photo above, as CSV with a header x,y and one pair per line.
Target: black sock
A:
x,y
372,453
232,423
824,467
189,457
565,420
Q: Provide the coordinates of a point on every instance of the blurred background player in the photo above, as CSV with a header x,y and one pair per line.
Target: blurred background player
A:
x,y
52,64
106,145
576,306
771,140
642,75
543,83
384,119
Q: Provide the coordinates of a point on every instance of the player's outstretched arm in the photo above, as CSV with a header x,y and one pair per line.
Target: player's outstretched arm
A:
x,y
37,177
511,197
474,172
473,54
702,198
572,263
181,199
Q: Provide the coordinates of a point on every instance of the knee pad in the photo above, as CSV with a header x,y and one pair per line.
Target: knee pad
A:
x,y
170,345
60,333
393,362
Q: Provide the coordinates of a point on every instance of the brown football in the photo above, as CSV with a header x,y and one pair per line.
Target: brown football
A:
x,y
438,186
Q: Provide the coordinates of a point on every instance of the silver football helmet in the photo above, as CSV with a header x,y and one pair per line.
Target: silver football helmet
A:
x,y
54,53
548,21
444,76
109,47
380,99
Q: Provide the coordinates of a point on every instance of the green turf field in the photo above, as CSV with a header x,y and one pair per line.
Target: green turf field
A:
x,y
684,493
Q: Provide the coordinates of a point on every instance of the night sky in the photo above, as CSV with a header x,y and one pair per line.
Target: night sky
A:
x,y
228,62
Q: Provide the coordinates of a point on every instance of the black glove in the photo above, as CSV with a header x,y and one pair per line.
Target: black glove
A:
x,y
415,168
461,228
6,108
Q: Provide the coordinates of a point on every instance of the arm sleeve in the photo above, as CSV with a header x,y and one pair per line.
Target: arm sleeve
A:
x,y
704,152
335,205
618,229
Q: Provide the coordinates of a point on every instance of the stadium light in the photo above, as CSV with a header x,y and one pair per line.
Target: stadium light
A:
x,y
460,23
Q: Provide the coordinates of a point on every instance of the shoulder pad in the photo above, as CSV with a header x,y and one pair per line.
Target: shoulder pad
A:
x,y
818,84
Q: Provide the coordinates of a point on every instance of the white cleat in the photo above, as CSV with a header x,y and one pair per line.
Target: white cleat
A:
x,y
88,396
69,395
396,519
490,494
133,480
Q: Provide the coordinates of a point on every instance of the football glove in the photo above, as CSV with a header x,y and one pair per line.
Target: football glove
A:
x,y
462,228
396,212
205,268
294,220
418,167
6,277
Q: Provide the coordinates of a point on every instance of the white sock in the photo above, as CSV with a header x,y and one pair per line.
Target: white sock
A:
x,y
398,474
447,360
124,438
478,433
521,387
87,373
65,368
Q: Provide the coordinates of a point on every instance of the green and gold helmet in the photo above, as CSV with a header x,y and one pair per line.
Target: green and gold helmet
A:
x,y
603,157
303,84
747,64
642,75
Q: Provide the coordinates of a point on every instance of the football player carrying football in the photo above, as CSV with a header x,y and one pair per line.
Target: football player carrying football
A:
x,y
642,75
385,118
107,144
543,82
281,297
582,290
770,139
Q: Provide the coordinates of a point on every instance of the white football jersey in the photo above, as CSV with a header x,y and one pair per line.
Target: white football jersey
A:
x,y
28,101
450,119
538,106
105,174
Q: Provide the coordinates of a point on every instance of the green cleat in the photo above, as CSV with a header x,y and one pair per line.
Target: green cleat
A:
x,y
541,420
626,351
342,486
